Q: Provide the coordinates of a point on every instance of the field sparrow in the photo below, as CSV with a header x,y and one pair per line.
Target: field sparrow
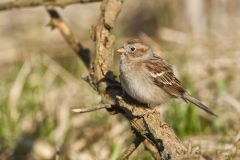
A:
x,y
148,78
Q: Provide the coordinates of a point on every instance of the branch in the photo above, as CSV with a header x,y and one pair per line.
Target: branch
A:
x,y
153,128
103,37
58,22
36,3
98,107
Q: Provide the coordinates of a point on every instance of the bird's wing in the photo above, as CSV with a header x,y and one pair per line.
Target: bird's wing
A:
x,y
163,76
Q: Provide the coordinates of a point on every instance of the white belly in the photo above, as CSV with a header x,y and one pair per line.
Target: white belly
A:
x,y
142,88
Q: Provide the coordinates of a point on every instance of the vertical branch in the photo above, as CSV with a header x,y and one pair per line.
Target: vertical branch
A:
x,y
104,39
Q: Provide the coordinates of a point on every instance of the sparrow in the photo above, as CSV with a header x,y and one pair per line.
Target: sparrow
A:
x,y
148,78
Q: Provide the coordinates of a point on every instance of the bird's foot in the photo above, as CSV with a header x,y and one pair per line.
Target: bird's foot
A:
x,y
149,111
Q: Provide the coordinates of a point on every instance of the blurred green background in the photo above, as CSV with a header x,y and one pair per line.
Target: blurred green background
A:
x,y
40,79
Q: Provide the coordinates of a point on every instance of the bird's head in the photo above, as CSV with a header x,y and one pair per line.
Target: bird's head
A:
x,y
135,49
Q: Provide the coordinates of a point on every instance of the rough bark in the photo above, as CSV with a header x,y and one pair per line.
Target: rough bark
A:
x,y
104,39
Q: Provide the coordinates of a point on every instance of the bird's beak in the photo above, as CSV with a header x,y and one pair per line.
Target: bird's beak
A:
x,y
121,50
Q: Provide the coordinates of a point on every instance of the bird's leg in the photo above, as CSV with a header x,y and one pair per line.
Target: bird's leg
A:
x,y
123,93
149,111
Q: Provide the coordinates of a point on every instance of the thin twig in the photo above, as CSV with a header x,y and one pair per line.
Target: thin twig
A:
x,y
74,43
85,110
35,3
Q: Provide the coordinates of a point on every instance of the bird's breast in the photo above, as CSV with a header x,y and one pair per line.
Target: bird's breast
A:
x,y
136,81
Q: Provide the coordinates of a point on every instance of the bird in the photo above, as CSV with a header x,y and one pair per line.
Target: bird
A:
x,y
148,78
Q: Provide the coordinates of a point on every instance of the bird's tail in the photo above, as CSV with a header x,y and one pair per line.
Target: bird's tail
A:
x,y
199,104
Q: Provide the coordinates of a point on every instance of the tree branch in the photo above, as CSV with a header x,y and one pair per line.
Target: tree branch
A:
x,y
58,22
35,3
85,110
153,128
103,37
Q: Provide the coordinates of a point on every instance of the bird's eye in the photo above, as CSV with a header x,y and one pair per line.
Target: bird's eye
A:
x,y
132,49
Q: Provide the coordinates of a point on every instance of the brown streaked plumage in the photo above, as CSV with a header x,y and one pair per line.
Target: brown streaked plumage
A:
x,y
167,80
148,78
